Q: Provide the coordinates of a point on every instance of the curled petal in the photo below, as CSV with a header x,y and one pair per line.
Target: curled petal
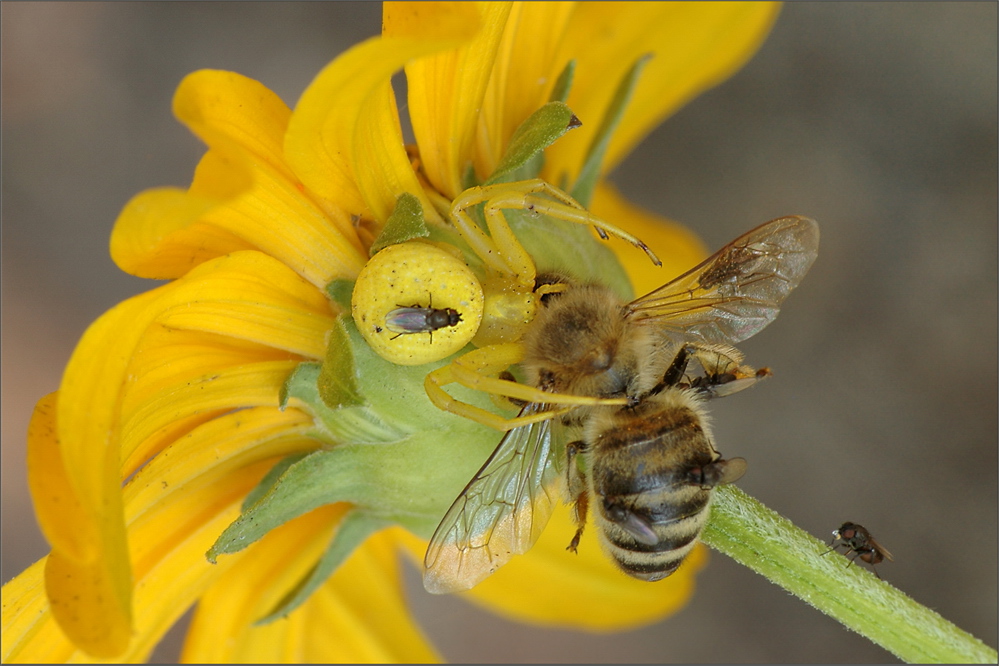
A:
x,y
157,235
234,205
695,45
95,570
522,77
216,449
276,215
446,89
88,575
30,634
250,296
176,410
167,357
90,587
225,107
358,616
349,97
169,540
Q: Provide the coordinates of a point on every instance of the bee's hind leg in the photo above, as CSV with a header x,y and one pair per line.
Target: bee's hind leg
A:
x,y
576,483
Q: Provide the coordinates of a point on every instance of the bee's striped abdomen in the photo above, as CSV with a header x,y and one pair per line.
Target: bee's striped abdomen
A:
x,y
651,514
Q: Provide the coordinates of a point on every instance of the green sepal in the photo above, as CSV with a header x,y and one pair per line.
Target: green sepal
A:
x,y
269,480
563,84
539,131
382,451
389,400
336,384
387,482
468,178
355,527
582,190
340,291
404,224
297,490
354,423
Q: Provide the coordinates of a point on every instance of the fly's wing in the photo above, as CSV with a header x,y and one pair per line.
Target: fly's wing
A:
x,y
407,320
881,549
501,512
738,290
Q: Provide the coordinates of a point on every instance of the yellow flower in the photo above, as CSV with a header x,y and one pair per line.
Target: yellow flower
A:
x,y
179,402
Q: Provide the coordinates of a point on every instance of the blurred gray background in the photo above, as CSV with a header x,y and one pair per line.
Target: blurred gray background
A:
x,y
879,120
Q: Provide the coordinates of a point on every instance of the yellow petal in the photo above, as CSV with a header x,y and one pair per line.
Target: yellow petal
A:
x,y
376,624
250,296
170,528
323,144
275,215
585,590
242,186
176,410
181,500
522,77
52,496
446,90
225,106
30,635
88,575
214,449
169,553
91,387
231,206
168,546
222,629
174,363
694,45
678,248
168,355
157,235
358,616
90,590
382,173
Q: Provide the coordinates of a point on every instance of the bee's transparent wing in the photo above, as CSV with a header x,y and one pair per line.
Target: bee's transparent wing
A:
x,y
737,291
501,512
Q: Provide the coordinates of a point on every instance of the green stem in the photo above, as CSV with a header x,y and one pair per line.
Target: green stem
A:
x,y
772,546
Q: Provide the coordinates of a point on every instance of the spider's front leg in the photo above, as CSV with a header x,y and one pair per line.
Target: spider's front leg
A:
x,y
474,370
509,287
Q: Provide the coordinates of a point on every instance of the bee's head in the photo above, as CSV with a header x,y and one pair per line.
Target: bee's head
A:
x,y
576,337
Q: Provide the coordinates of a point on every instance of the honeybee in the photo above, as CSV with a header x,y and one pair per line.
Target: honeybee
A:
x,y
419,319
858,541
648,466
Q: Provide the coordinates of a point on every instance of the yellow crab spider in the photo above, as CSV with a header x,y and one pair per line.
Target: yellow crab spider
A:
x,y
509,287
511,299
